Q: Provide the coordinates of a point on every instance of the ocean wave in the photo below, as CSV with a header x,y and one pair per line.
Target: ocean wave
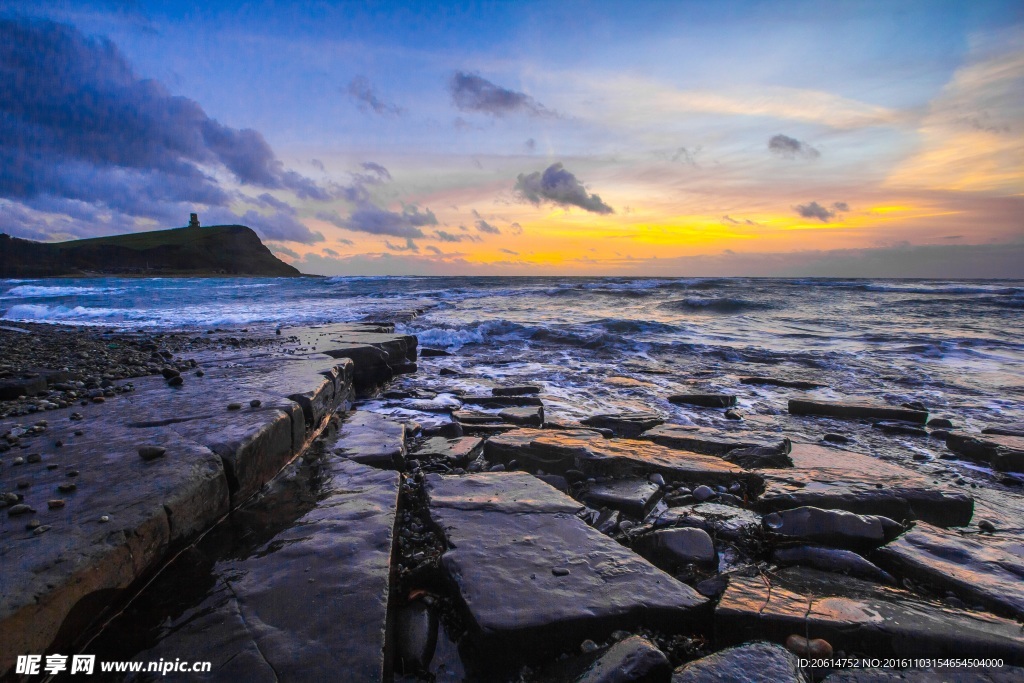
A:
x,y
25,291
714,305
76,314
455,337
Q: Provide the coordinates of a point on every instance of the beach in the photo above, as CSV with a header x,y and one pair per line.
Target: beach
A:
x,y
514,479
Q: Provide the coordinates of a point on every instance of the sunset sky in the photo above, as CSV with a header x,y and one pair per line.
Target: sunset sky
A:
x,y
512,138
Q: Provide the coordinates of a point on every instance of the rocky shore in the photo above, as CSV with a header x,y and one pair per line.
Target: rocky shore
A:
x,y
333,502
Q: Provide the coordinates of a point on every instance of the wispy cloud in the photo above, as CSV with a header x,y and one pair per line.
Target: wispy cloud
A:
x,y
471,92
791,148
558,186
360,90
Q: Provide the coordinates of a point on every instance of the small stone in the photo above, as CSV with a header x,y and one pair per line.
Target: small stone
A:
x,y
151,452
176,381
19,509
71,473
234,406
199,373
815,648
41,529
559,571
733,415
79,432
52,466
497,468
58,444
98,399
33,458
656,479
33,524
835,438
104,519
24,484
18,461
702,493
588,646
255,403
67,488
987,526
168,373
55,504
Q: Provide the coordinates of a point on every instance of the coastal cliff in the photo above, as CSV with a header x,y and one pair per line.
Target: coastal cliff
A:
x,y
214,250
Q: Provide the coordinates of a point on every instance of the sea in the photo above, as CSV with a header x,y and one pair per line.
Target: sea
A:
x,y
613,344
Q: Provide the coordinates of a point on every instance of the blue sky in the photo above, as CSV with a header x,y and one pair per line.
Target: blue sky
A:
x,y
735,137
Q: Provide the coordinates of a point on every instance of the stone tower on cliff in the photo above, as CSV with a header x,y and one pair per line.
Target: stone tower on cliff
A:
x,y
193,220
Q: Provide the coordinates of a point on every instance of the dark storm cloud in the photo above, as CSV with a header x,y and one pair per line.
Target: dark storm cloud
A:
x,y
558,186
816,210
77,123
360,90
790,148
471,92
282,226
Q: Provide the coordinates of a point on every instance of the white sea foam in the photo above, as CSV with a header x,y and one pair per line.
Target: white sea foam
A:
x,y
50,291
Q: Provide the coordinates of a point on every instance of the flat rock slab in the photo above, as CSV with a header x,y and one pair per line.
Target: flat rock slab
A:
x,y
753,662
521,390
54,584
535,579
457,451
635,497
703,400
310,602
559,451
710,441
371,439
1004,452
468,417
625,424
725,521
502,401
527,416
777,382
835,479
983,568
854,410
859,617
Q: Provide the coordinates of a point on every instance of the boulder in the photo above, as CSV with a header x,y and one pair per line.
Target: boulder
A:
x,y
678,547
522,390
371,439
724,521
635,497
633,659
831,560
531,416
1003,452
836,528
456,452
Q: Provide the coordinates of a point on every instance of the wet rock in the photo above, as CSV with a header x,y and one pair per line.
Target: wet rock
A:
x,y
899,429
836,438
503,401
702,493
458,452
985,569
760,457
1006,430
448,430
19,509
554,480
415,636
856,410
858,616
750,662
13,387
255,403
560,451
940,423
516,607
607,521
55,503
524,417
814,648
634,497
433,353
788,383
733,415
1004,453
724,521
704,400
711,441
986,526
713,587
234,406
473,417
372,439
625,424
633,659
151,452
678,547
834,479
833,527
521,390
831,560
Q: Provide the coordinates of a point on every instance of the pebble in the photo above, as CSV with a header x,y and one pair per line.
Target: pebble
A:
x,y
33,457
33,524
835,438
656,479
559,571
18,461
986,525
588,646
176,381
71,473
19,509
104,519
733,415
234,406
151,452
255,403
24,484
816,648
41,529
66,488
98,399
703,493
497,468
168,373
55,504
